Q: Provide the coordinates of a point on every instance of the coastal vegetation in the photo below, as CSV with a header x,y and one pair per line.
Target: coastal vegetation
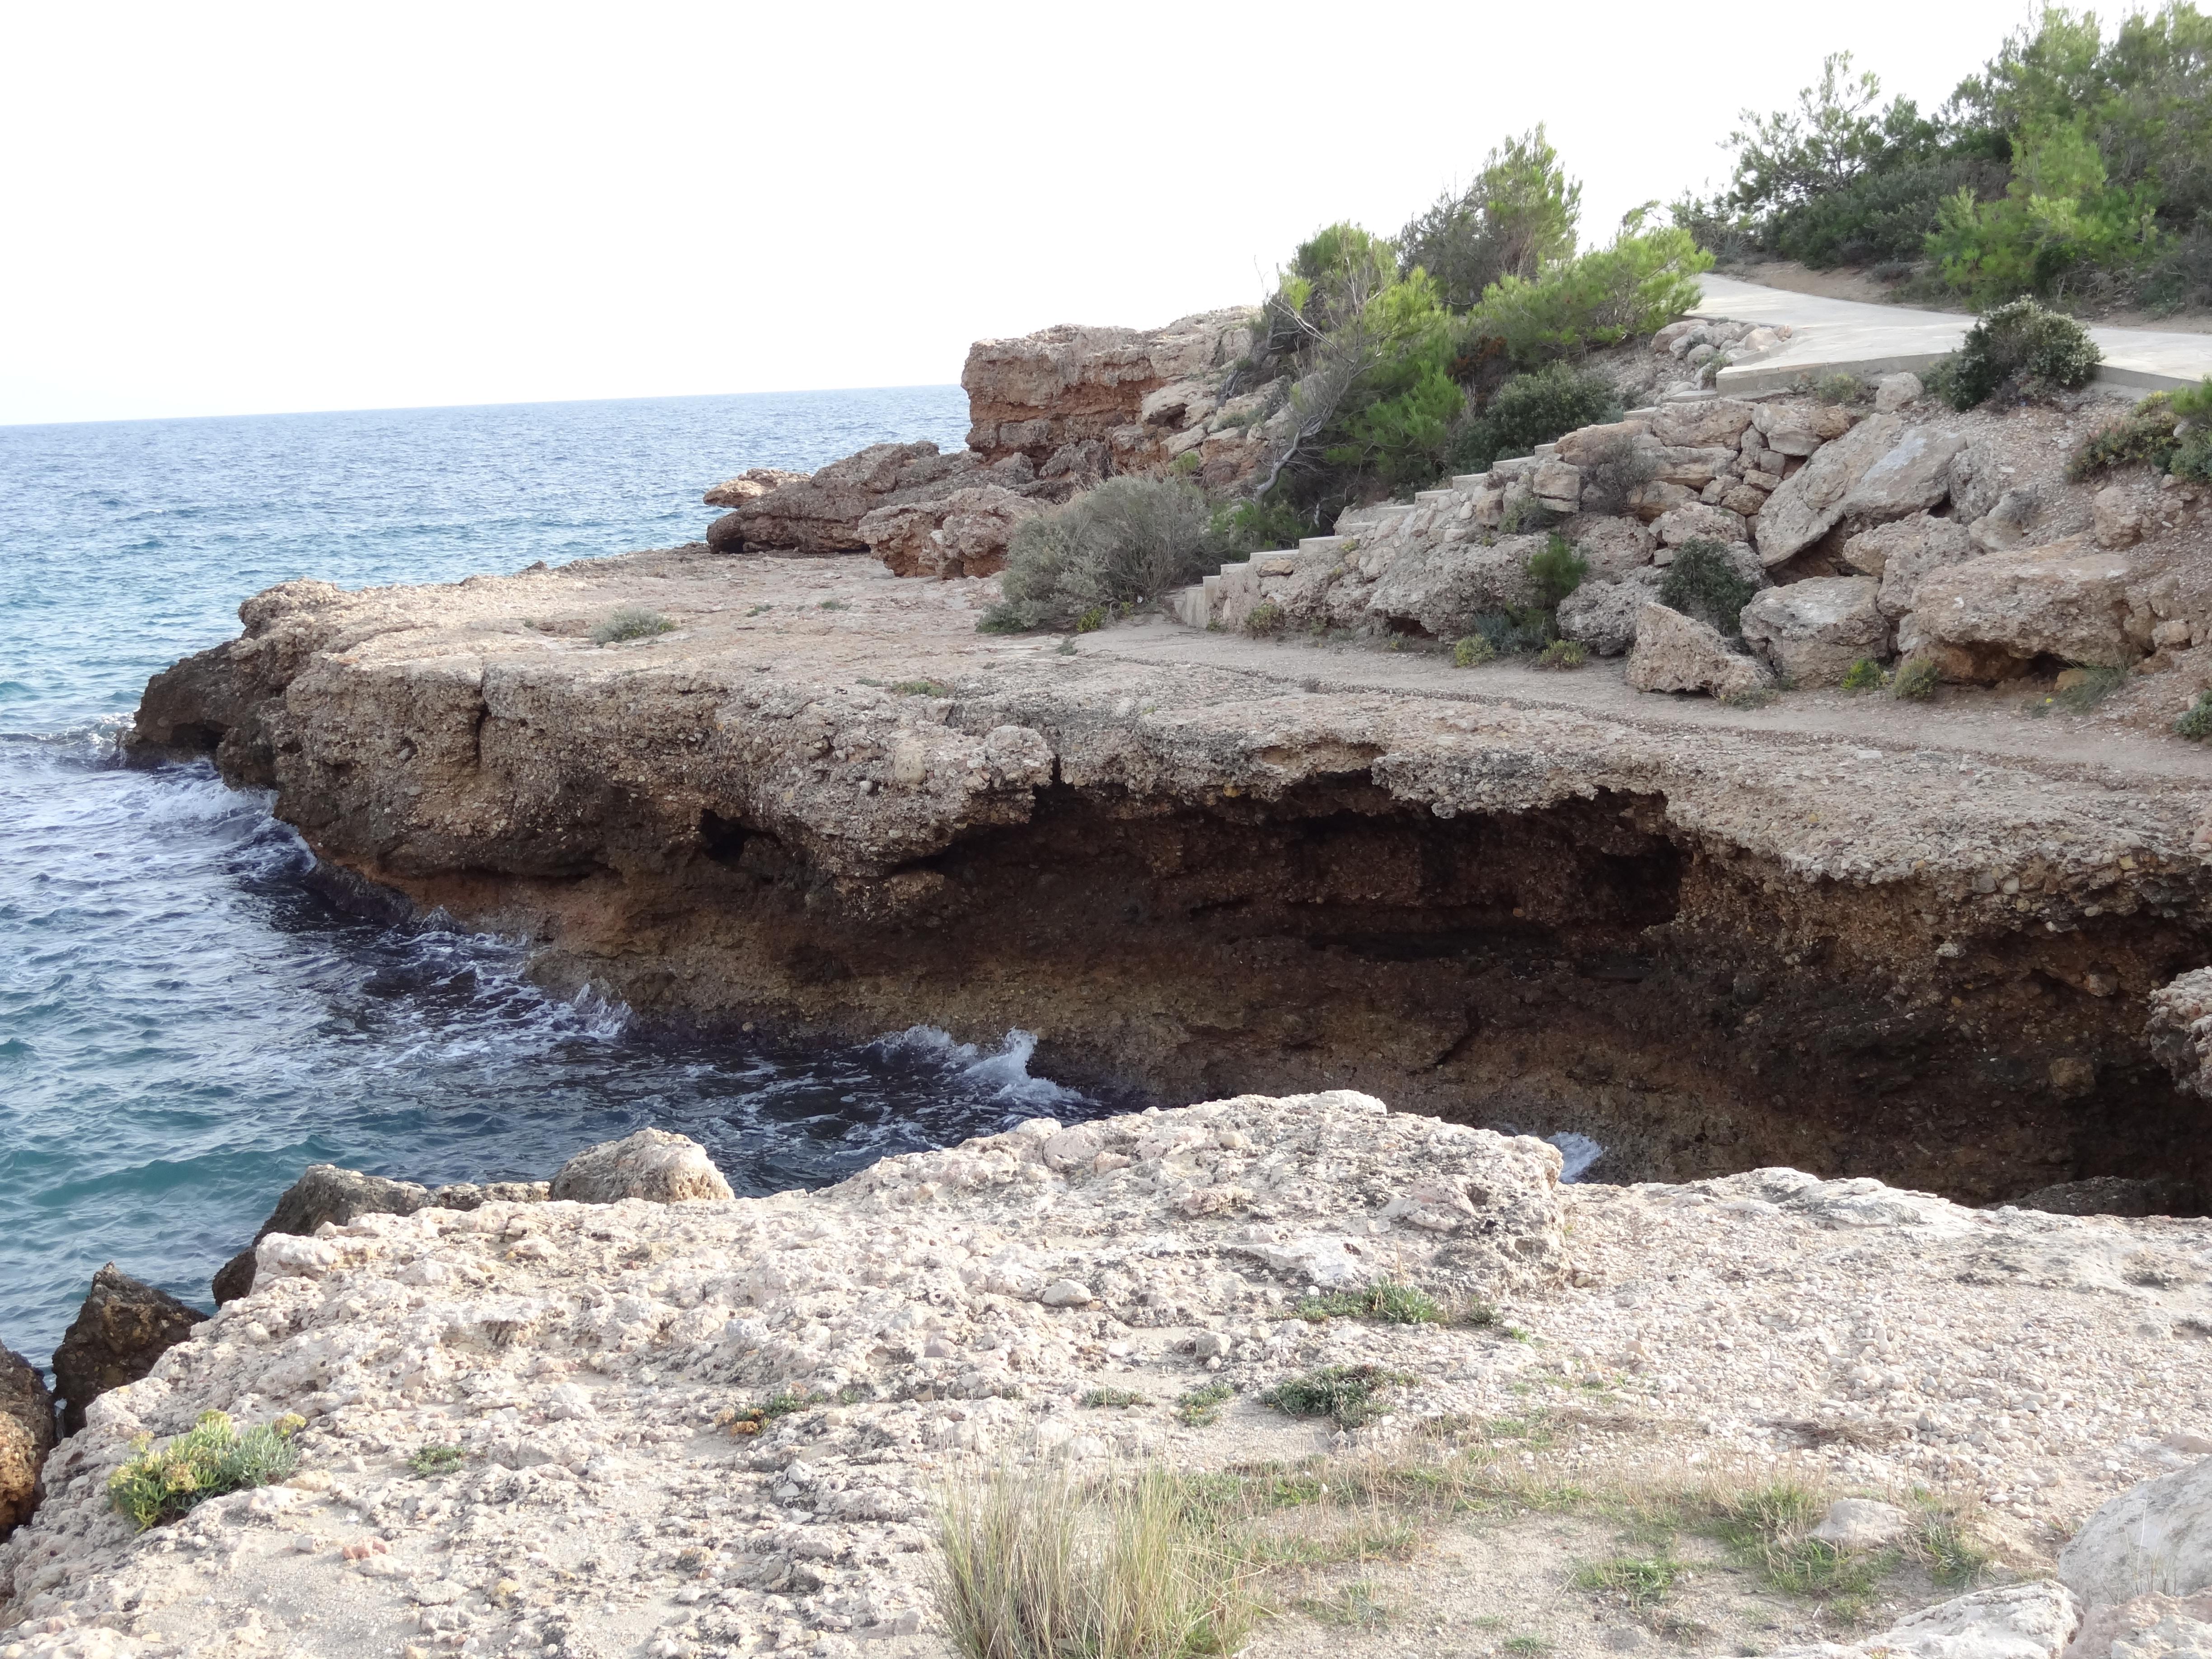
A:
x,y
2071,167
160,1483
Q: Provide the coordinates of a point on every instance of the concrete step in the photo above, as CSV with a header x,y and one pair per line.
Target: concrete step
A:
x,y
1187,605
1433,497
1468,483
1324,544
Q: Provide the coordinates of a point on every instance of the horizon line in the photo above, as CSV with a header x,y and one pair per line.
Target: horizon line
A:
x,y
513,403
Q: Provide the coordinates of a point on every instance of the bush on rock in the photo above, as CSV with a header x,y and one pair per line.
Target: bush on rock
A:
x,y
2020,349
1120,546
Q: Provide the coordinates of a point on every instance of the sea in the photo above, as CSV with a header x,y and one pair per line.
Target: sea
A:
x,y
185,1021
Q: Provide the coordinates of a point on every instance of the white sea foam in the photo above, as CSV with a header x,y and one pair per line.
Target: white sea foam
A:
x,y
1005,1071
1580,1151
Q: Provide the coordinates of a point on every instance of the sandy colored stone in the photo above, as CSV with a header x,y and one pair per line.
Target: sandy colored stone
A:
x,y
651,1164
750,485
1810,502
1603,615
2062,600
1675,652
26,1435
1912,476
2181,1030
1814,630
2156,1536
965,534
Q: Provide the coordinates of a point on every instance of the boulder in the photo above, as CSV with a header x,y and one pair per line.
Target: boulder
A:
x,y
2151,1626
1899,553
1557,485
651,1164
2154,1537
1892,391
1445,587
1586,444
1611,546
326,1192
2181,1030
1675,652
124,1327
1702,425
1655,497
1913,476
2062,601
2034,1621
1697,468
1798,425
1977,481
2116,520
750,485
965,534
26,1435
1814,631
821,513
726,535
1715,523
1601,615
1810,502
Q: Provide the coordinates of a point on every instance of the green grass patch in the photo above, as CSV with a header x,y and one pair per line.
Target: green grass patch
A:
x,y
1114,1398
921,688
432,1459
1200,1407
1393,1304
632,621
1638,1580
1352,1607
212,1458
1348,1396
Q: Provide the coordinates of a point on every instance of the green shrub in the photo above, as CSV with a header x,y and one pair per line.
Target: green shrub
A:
x,y
2196,721
1248,527
1092,620
1530,410
1702,583
632,621
1471,649
207,1461
1865,675
1517,217
1615,470
1508,633
1347,1394
1114,1398
434,1459
1125,543
1200,1407
2144,434
1838,388
2018,350
1558,569
1563,653
1267,620
1639,284
921,688
1393,1304
1916,680
1525,516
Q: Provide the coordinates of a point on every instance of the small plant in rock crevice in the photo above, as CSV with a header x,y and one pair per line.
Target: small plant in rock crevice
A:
x,y
1865,675
1701,582
1916,680
632,621
2196,721
210,1459
1114,1398
1556,569
434,1459
1268,621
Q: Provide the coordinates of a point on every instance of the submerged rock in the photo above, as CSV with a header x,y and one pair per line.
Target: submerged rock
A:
x,y
26,1435
125,1326
651,1164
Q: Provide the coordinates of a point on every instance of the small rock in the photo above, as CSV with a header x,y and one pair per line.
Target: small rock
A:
x,y
1067,1293
651,1164
1862,1524
2157,1535
1814,630
2116,520
124,1327
1892,391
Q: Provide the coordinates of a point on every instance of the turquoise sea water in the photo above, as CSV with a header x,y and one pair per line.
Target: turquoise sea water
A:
x,y
186,1020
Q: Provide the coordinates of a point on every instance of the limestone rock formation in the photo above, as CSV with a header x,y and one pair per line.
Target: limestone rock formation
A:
x,y
1601,615
1912,476
965,534
1858,1523
1811,501
1075,401
1894,391
1445,587
326,1194
1997,613
1899,553
1814,630
2181,1030
822,512
2156,1536
26,1435
653,1165
750,485
2115,1195
1675,652
2032,1621
124,1327
1695,519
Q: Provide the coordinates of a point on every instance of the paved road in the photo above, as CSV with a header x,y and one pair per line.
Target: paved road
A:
x,y
1874,339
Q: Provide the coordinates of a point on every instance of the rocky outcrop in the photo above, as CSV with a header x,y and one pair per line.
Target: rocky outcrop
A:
x,y
2034,1621
1073,402
326,1195
1812,501
1989,618
1812,631
965,534
1442,589
26,1435
651,1164
1899,553
1675,652
124,1327
2155,1538
823,512
750,485
1603,615
2181,1030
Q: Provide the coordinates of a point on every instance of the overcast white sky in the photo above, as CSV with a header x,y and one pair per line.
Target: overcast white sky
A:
x,y
228,208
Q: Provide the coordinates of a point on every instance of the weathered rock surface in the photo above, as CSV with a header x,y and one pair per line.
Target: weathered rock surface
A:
x,y
1603,615
2062,601
1860,1523
2156,1537
2034,1621
1894,391
123,1328
750,485
2131,1195
651,1164
1899,553
823,512
1814,630
26,1435
952,1310
2181,1030
1912,476
1443,588
965,534
1811,501
326,1192
1675,652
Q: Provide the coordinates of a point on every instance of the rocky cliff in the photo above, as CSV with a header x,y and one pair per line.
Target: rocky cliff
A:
x,y
1712,939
